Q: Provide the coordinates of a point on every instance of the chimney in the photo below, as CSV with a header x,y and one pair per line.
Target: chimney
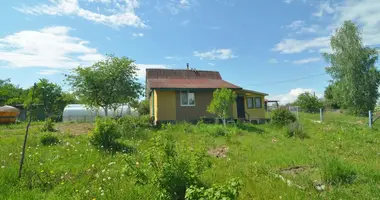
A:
x,y
187,66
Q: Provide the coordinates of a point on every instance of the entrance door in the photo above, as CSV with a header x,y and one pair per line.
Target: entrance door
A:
x,y
240,107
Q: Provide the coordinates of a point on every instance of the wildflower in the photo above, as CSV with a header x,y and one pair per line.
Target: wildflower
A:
x,y
20,153
42,171
102,191
103,170
111,163
92,165
2,167
104,179
10,154
41,163
109,178
102,194
87,191
30,156
100,188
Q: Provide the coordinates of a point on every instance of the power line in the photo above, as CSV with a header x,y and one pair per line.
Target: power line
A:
x,y
290,80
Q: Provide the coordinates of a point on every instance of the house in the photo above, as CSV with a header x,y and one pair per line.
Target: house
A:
x,y
183,95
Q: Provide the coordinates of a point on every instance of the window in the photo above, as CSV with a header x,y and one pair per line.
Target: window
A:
x,y
187,98
249,102
258,102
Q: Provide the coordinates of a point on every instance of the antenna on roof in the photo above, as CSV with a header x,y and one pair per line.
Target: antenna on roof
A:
x,y
187,66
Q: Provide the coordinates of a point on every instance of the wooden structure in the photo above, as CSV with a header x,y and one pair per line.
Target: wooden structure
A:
x,y
8,114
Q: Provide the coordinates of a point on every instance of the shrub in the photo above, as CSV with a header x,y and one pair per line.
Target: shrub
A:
x,y
336,172
295,129
217,131
49,139
170,167
48,126
228,191
132,127
282,117
105,133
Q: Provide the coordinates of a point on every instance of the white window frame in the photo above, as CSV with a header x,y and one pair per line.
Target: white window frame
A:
x,y
188,99
261,102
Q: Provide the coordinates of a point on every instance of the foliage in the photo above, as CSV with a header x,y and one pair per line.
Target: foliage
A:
x,y
282,117
170,167
308,102
105,133
11,94
141,106
353,70
49,139
221,101
230,191
107,83
296,129
48,126
336,172
133,127
332,99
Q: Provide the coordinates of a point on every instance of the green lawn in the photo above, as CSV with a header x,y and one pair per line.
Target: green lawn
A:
x,y
257,155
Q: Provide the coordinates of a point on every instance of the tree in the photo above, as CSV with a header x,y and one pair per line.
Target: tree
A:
x,y
353,69
142,106
332,99
50,95
108,83
308,102
222,99
11,94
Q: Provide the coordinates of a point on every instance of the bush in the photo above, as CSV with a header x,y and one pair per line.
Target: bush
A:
x,y
228,191
295,129
217,131
170,167
336,172
105,133
133,127
49,139
48,126
282,117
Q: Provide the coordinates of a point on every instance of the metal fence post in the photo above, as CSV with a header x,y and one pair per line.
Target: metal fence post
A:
x,y
321,114
370,119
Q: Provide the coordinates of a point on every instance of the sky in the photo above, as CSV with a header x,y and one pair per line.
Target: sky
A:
x,y
272,46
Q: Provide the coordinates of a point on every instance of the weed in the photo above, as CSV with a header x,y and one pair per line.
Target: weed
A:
x,y
296,129
229,191
336,172
49,139
105,133
48,126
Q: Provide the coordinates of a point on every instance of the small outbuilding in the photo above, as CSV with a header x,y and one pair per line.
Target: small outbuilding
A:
x,y
81,113
8,114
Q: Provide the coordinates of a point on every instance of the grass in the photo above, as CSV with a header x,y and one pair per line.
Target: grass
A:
x,y
339,153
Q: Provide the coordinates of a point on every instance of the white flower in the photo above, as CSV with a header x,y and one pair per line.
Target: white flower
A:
x,y
2,167
41,164
102,194
10,154
103,170
109,178
104,179
87,191
100,188
111,163
92,165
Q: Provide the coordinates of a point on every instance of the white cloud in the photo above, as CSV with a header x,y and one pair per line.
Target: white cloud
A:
x,y
273,61
366,13
307,60
299,27
100,1
48,72
292,95
324,7
50,47
288,1
296,24
215,54
124,17
289,46
211,64
142,69
138,35
175,58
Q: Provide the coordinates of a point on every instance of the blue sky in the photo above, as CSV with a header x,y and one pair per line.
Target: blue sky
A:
x,y
258,45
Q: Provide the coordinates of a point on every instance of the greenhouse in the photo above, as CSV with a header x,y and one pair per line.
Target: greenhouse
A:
x,y
81,113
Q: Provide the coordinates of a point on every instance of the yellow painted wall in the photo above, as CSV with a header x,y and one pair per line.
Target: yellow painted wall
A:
x,y
166,105
255,112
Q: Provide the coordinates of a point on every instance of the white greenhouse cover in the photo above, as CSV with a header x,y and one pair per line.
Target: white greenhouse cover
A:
x,y
80,113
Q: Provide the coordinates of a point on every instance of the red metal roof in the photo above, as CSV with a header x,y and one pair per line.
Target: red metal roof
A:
x,y
178,79
190,83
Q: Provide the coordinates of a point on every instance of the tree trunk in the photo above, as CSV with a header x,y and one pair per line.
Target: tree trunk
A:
x,y
26,137
224,122
106,111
